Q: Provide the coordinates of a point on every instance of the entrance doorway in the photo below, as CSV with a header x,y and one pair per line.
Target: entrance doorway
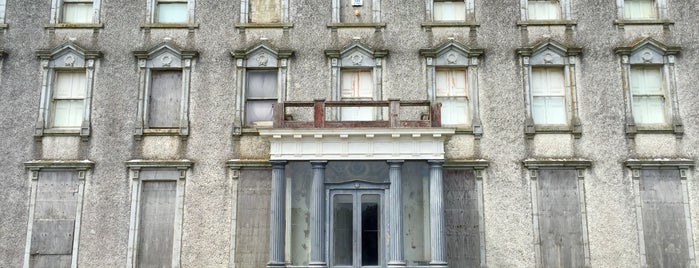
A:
x,y
356,228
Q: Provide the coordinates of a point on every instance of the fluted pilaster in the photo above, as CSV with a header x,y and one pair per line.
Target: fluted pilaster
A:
x,y
277,209
317,211
396,258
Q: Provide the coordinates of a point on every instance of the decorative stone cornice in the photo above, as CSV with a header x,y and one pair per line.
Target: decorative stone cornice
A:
x,y
659,162
557,163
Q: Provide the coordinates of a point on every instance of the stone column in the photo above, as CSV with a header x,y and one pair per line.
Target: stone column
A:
x,y
395,205
317,211
438,241
276,222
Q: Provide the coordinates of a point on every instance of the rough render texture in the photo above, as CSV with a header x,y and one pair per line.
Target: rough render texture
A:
x,y
209,191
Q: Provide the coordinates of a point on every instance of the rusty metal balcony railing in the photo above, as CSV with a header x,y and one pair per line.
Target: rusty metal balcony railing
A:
x,y
432,118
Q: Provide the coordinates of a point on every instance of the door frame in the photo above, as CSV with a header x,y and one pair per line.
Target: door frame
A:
x,y
380,188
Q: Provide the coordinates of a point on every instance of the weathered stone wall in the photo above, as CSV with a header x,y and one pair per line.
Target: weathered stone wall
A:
x,y
209,193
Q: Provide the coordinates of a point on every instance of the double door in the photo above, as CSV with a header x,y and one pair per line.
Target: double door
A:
x,y
356,228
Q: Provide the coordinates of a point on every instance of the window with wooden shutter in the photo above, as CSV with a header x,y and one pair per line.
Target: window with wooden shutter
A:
x,y
265,11
164,98
172,11
445,10
664,219
452,91
640,9
544,9
559,218
646,83
157,219
53,226
357,85
77,11
548,96
261,95
68,99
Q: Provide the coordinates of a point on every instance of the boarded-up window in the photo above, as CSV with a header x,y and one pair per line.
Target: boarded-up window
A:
x,y
164,98
77,11
446,10
265,11
548,96
461,218
639,9
261,95
356,13
252,227
54,219
68,99
357,85
560,222
664,229
451,91
172,11
544,9
648,97
157,218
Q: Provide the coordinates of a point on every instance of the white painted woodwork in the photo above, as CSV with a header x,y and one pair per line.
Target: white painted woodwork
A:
x,y
646,83
548,96
544,10
449,10
349,144
68,99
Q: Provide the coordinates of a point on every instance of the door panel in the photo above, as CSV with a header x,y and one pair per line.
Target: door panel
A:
x,y
356,227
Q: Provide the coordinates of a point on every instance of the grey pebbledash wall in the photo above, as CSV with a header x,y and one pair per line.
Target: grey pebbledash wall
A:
x,y
210,196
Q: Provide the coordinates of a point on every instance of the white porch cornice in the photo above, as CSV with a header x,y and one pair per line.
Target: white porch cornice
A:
x,y
357,143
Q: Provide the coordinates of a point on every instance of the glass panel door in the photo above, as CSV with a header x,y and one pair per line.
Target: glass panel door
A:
x,y
356,226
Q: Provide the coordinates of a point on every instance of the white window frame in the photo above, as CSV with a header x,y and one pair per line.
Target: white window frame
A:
x,y
245,10
376,12
649,52
661,11
57,9
564,8
454,55
152,9
84,170
469,10
164,56
65,57
355,56
258,57
550,53
184,168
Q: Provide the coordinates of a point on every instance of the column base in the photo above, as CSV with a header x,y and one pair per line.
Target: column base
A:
x,y
318,265
395,264
276,264
438,264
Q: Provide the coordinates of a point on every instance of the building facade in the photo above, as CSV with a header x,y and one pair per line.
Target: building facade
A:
x,y
349,133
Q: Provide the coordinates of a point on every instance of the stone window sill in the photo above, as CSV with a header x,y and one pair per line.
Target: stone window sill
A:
x,y
161,131
62,131
379,25
190,26
243,26
567,23
75,26
664,23
453,24
553,129
3,26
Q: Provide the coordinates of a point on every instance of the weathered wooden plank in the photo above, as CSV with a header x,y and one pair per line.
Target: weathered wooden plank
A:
x,y
265,11
461,216
50,261
252,239
57,195
156,228
164,100
560,222
52,237
664,228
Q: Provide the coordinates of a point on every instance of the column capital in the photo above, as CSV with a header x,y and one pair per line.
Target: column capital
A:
x,y
436,162
398,162
278,163
318,163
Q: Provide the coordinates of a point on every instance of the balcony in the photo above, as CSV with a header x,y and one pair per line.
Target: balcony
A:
x,y
323,114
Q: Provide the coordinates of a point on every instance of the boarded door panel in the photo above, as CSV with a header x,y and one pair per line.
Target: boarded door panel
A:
x,y
461,215
252,234
164,99
156,228
664,228
560,223
54,219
